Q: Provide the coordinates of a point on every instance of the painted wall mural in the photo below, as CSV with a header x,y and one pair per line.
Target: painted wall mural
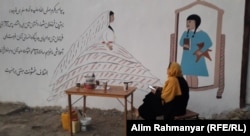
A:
x,y
96,51
200,51
196,44
47,46
21,37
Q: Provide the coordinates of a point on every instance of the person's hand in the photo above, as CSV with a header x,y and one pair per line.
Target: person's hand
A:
x,y
198,53
156,87
158,90
154,91
186,47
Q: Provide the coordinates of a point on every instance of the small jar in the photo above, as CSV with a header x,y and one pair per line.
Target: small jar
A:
x,y
75,126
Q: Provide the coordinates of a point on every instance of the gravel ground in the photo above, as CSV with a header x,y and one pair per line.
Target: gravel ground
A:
x,y
41,121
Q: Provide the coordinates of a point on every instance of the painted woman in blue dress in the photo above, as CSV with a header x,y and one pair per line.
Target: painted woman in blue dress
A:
x,y
195,44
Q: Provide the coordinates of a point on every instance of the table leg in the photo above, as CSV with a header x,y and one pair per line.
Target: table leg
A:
x,y
132,106
70,115
125,112
84,105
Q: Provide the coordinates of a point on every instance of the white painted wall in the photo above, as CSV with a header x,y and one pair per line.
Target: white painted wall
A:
x,y
143,27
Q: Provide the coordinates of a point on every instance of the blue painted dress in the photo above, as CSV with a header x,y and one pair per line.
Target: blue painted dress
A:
x,y
189,64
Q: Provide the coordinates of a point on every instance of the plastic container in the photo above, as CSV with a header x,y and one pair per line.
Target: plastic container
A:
x,y
75,126
85,122
65,119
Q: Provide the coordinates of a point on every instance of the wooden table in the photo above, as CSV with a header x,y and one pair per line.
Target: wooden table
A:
x,y
112,92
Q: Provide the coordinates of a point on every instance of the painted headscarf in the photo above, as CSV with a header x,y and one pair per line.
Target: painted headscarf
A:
x,y
171,87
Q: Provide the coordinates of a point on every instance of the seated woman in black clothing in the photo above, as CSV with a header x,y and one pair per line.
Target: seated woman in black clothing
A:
x,y
170,100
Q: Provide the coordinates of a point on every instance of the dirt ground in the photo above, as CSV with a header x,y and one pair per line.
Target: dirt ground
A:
x,y
46,121
17,119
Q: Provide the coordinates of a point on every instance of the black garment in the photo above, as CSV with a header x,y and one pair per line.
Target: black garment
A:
x,y
178,105
152,104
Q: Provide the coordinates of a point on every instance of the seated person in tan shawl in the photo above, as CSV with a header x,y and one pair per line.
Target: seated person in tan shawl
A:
x,y
170,100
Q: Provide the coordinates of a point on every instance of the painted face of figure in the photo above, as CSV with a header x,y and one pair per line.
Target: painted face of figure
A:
x,y
190,24
111,18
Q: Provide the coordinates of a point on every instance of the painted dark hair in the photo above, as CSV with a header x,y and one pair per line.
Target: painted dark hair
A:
x,y
197,20
111,13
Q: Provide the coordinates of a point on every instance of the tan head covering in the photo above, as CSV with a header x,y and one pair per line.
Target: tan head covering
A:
x,y
171,87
